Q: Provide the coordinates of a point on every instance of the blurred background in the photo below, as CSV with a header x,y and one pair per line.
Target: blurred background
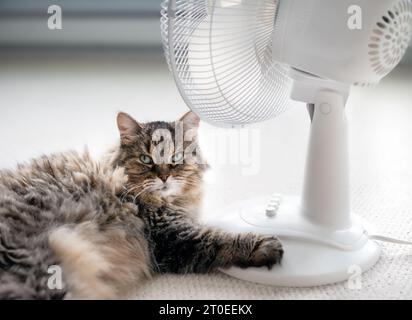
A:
x,y
55,84
130,25
61,89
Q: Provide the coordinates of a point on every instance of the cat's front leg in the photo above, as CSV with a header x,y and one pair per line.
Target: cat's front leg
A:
x,y
181,245
249,250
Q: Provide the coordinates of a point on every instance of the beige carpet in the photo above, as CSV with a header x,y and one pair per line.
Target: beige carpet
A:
x,y
391,278
387,204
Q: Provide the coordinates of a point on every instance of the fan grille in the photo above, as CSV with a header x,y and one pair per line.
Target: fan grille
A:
x,y
390,38
220,52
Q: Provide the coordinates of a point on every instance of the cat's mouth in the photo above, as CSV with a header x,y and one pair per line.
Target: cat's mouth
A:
x,y
166,189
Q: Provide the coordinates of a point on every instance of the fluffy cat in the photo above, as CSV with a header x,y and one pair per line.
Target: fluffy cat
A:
x,y
111,225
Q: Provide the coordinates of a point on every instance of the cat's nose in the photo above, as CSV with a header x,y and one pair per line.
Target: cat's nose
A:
x,y
163,177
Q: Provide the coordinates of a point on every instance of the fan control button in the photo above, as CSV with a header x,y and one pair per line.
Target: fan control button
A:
x,y
273,206
325,108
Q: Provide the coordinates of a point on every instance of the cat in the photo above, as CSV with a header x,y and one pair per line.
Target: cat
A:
x,y
107,226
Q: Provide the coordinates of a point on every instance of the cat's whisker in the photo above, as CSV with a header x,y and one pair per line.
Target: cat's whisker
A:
x,y
138,194
187,182
128,191
143,186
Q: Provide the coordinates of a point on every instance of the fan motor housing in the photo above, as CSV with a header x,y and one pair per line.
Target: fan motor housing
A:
x,y
351,41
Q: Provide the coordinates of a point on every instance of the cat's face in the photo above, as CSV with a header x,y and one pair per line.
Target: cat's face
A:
x,y
161,159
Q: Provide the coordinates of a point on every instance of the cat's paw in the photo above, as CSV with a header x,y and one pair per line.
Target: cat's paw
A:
x,y
267,252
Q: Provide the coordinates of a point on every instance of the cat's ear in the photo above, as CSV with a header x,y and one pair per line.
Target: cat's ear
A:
x,y
190,120
127,125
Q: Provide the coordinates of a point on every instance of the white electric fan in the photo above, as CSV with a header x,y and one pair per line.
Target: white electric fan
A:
x,y
237,62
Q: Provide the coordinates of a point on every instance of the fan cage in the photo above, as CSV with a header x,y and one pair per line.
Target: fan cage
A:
x,y
220,53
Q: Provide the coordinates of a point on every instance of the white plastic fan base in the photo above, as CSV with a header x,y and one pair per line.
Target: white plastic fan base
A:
x,y
313,255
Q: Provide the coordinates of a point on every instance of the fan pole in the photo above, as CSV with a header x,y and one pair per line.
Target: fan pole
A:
x,y
321,238
326,198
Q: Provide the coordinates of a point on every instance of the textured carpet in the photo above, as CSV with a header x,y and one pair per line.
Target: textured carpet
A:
x,y
390,278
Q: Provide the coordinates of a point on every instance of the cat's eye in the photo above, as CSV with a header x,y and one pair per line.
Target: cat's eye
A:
x,y
145,159
178,157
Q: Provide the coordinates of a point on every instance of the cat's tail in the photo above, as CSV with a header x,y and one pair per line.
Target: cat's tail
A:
x,y
82,264
100,263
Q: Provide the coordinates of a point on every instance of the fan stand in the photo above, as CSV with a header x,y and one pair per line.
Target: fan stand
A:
x,y
323,242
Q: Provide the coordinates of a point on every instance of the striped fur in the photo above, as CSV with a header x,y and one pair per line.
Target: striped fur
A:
x,y
107,231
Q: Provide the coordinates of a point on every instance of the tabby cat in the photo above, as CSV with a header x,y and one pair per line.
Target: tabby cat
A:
x,y
110,225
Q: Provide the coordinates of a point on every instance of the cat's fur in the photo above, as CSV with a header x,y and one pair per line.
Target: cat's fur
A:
x,y
111,225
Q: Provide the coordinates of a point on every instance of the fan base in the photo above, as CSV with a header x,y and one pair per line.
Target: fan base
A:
x,y
314,254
